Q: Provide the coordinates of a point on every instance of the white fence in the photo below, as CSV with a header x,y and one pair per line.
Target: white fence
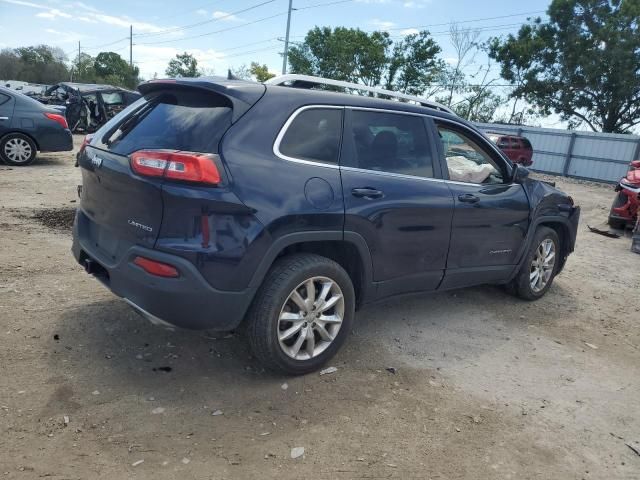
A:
x,y
603,157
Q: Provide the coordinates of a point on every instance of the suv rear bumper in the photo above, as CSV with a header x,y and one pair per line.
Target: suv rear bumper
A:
x,y
187,301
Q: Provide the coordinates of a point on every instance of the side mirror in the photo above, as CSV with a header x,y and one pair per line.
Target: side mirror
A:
x,y
520,173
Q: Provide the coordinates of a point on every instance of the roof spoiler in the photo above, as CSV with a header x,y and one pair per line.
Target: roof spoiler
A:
x,y
242,95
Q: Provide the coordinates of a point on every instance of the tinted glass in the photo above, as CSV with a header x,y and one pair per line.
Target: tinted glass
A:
x,y
390,142
314,135
466,160
4,98
186,120
526,143
515,143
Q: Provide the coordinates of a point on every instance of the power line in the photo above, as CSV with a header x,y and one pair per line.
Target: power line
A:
x,y
106,44
323,4
204,22
183,13
468,21
216,31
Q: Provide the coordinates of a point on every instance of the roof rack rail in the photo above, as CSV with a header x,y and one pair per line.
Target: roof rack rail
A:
x,y
307,81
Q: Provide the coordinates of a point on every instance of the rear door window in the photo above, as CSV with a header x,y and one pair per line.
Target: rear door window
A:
x,y
188,120
313,135
515,143
391,142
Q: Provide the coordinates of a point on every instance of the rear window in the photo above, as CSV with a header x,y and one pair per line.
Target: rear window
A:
x,y
188,120
526,143
314,135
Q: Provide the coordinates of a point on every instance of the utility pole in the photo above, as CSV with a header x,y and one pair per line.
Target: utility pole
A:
x,y
286,40
131,46
78,66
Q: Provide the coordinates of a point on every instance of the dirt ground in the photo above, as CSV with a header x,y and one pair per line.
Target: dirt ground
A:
x,y
486,386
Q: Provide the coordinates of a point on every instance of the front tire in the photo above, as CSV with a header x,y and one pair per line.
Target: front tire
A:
x,y
539,267
17,150
302,314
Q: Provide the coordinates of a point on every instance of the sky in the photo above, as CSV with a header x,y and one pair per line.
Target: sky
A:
x,y
229,33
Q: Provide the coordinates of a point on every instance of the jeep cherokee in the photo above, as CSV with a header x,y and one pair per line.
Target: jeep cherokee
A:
x,y
212,203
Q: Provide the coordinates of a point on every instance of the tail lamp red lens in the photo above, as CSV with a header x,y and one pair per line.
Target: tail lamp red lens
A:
x,y
86,141
57,118
156,268
176,165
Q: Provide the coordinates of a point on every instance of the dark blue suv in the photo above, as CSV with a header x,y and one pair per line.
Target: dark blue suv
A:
x,y
211,203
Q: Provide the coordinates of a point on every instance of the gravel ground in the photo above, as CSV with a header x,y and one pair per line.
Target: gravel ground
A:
x,y
485,386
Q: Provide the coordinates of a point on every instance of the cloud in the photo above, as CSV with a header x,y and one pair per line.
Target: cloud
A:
x,y
154,59
409,31
381,24
66,36
227,17
202,12
92,14
53,14
86,7
416,3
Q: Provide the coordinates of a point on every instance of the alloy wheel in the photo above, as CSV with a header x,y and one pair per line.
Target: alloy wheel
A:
x,y
542,265
310,318
18,150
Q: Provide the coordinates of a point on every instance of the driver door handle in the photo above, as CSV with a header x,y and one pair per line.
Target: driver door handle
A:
x,y
468,198
367,192
4,118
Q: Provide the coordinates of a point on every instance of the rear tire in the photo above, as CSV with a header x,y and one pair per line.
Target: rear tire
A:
x,y
539,267
17,150
302,314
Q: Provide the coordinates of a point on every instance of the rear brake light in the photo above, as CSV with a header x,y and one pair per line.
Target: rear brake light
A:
x,y
158,269
57,118
175,165
86,141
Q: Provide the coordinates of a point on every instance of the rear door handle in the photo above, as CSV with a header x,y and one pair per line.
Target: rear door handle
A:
x,y
468,198
367,192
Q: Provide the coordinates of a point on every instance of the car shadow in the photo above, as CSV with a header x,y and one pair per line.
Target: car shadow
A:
x,y
107,347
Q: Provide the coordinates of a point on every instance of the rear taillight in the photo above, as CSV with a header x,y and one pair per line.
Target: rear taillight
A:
x,y
158,269
176,165
86,141
57,118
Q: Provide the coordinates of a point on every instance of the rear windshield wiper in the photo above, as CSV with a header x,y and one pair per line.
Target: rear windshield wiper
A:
x,y
118,132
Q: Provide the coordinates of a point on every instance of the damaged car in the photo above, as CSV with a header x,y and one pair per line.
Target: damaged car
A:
x,y
88,105
221,204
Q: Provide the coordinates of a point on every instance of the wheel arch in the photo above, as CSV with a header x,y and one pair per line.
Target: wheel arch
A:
x,y
348,249
561,226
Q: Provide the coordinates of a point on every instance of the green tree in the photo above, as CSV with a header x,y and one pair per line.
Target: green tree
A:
x,y
41,64
84,69
342,54
184,65
115,70
583,64
261,72
409,66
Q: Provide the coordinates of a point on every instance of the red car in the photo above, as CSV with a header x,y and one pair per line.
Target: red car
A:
x,y
518,149
624,211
